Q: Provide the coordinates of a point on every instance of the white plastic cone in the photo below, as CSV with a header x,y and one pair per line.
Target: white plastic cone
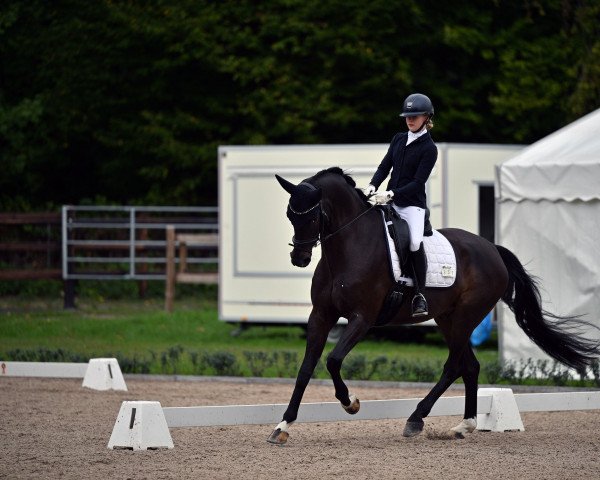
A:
x,y
140,426
504,413
104,374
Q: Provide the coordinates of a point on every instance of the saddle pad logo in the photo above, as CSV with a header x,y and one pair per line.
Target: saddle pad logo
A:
x,y
447,270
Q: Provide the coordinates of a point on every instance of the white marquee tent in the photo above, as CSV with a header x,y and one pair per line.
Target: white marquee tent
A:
x,y
548,214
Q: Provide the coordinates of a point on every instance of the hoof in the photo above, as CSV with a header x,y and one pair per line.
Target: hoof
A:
x,y
412,429
278,437
354,406
468,425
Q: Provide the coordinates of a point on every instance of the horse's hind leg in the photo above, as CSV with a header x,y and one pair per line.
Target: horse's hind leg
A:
x,y
353,333
470,375
457,338
456,329
414,424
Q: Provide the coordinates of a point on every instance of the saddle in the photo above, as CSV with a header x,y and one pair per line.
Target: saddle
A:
x,y
400,234
399,231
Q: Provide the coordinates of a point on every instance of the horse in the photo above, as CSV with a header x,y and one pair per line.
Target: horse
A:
x,y
352,280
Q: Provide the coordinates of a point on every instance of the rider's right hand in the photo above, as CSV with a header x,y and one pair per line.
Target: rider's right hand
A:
x,y
370,190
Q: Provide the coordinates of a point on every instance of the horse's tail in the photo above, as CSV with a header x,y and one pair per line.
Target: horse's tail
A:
x,y
560,338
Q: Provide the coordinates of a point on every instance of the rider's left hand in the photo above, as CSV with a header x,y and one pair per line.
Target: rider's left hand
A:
x,y
383,197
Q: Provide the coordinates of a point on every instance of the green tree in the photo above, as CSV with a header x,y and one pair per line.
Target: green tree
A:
x,y
127,102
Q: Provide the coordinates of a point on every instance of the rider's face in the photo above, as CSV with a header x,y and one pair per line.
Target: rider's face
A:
x,y
414,123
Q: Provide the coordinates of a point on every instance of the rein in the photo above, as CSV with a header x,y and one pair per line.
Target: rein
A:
x,y
318,240
347,225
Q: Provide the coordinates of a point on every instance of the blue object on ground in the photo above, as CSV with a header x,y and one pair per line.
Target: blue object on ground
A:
x,y
483,331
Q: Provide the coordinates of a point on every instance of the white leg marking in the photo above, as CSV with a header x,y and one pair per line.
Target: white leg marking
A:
x,y
354,405
283,426
466,426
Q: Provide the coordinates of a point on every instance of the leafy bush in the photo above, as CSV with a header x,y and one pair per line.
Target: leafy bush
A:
x,y
355,367
378,363
223,363
134,364
44,355
426,371
398,371
170,358
286,364
199,364
258,362
595,367
493,371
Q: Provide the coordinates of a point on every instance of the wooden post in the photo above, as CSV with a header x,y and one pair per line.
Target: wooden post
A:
x,y
69,295
182,256
170,267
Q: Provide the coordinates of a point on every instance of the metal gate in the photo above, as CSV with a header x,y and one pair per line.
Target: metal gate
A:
x,y
129,243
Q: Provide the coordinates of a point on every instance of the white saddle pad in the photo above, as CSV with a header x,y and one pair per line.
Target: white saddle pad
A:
x,y
441,261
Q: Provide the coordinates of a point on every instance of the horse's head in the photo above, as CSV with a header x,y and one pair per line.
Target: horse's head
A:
x,y
304,211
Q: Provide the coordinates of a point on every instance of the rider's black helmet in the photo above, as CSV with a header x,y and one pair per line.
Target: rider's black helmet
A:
x,y
417,104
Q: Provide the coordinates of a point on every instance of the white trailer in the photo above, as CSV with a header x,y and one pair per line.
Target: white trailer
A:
x,y
257,282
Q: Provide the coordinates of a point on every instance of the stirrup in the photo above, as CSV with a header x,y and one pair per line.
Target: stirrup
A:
x,y
419,312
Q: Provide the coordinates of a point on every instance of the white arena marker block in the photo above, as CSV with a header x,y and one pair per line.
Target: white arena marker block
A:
x,y
504,413
104,374
43,369
140,426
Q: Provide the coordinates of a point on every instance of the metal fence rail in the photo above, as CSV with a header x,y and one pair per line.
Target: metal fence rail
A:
x,y
129,243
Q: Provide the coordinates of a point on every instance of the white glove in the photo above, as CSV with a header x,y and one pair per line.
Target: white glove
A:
x,y
370,190
383,197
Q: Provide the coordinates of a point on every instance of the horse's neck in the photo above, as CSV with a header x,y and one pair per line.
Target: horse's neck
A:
x,y
350,247
342,208
350,238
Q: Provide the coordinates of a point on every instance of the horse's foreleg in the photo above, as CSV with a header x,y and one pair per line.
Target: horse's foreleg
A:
x,y
353,333
470,375
315,343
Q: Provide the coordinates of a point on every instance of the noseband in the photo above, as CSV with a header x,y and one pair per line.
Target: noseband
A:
x,y
313,242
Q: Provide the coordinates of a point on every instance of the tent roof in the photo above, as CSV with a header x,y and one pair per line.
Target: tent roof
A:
x,y
565,165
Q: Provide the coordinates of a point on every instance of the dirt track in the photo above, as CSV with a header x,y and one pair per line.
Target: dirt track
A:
x,y
57,429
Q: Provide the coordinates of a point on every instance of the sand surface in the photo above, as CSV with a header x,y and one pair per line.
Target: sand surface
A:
x,y
54,428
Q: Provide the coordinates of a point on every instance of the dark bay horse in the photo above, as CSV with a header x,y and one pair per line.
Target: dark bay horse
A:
x,y
352,280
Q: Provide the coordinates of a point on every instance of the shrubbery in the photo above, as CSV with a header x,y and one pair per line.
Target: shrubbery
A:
x,y
285,364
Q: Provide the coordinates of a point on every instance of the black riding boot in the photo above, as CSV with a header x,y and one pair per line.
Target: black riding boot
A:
x,y
418,261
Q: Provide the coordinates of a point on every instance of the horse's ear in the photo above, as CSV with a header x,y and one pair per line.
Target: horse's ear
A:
x,y
287,186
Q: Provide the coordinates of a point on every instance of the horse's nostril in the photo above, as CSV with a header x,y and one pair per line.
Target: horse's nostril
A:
x,y
300,259
304,262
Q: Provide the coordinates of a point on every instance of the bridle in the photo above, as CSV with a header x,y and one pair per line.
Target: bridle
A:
x,y
319,239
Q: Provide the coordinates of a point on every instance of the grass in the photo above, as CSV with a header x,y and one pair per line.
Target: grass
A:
x,y
137,327
126,326
192,340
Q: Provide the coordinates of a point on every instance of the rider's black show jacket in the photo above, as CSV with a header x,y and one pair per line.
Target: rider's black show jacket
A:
x,y
411,166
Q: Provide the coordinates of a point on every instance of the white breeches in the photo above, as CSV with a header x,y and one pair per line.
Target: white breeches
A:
x,y
415,217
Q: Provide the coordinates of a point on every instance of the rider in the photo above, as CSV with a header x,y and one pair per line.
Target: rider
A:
x,y
411,157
